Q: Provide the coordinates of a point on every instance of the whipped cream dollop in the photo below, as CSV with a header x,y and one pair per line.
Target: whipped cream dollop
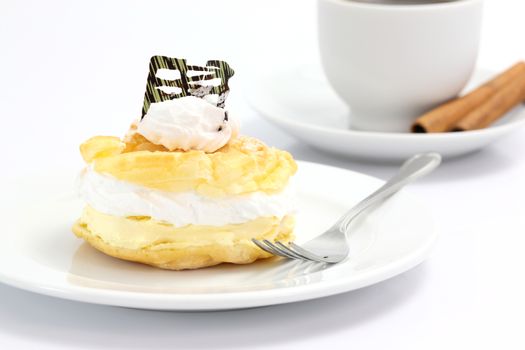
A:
x,y
111,196
188,123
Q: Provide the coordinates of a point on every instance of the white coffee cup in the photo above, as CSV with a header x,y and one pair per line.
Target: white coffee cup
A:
x,y
390,63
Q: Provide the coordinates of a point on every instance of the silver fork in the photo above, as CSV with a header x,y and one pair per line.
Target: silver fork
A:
x,y
332,246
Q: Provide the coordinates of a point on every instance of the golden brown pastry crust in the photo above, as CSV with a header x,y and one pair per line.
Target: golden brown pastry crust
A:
x,y
241,251
244,165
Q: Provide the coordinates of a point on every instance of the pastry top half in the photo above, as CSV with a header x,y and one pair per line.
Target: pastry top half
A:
x,y
242,166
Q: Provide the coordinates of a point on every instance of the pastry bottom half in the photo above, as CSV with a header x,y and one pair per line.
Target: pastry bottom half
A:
x,y
145,240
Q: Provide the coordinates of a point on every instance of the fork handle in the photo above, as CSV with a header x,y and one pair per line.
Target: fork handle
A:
x,y
412,169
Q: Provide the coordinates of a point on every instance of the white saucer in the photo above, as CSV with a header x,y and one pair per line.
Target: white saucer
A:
x,y
39,253
300,101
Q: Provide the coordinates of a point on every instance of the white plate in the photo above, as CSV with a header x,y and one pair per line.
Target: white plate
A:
x,y
40,253
300,101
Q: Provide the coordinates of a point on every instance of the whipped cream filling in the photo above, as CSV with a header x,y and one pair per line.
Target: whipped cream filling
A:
x,y
109,195
187,123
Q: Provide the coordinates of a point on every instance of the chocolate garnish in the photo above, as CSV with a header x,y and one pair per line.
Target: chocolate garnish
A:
x,y
189,85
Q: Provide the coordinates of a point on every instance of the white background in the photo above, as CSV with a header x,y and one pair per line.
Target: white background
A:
x,y
70,70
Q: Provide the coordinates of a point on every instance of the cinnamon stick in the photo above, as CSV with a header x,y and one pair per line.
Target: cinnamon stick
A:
x,y
496,106
446,117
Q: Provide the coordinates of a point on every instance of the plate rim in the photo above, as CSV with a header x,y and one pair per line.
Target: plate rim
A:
x,y
255,90
232,300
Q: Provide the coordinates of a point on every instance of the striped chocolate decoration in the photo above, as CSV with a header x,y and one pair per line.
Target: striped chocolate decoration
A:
x,y
190,85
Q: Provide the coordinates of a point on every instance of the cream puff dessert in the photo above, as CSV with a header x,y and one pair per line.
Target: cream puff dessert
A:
x,y
182,189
